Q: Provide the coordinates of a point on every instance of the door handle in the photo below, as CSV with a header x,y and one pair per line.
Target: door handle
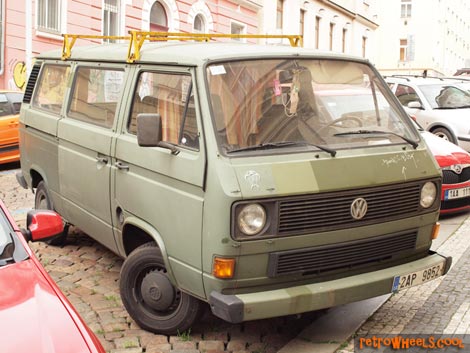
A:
x,y
121,166
103,160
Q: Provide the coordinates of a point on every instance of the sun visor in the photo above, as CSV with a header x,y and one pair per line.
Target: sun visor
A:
x,y
336,71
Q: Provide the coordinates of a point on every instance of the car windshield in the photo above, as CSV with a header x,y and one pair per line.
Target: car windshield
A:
x,y
303,104
447,95
10,103
6,240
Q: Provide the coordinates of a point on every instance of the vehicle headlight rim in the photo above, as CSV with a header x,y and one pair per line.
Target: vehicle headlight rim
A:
x,y
251,219
428,194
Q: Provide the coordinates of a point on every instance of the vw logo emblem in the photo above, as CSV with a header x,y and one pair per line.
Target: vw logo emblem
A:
x,y
457,168
359,208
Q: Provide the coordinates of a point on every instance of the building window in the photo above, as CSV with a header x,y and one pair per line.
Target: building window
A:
x,y
279,13
158,18
332,32
111,18
302,23
237,28
343,43
199,24
403,49
405,8
317,32
49,16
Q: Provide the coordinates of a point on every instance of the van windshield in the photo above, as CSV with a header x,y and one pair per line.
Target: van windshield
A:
x,y
302,104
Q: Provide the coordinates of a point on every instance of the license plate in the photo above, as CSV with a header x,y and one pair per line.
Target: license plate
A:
x,y
457,193
416,278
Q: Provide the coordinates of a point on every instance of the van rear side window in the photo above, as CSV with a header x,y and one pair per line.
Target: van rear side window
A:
x,y
51,87
95,95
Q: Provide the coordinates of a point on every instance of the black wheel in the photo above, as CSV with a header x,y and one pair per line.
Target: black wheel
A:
x,y
42,201
443,133
149,296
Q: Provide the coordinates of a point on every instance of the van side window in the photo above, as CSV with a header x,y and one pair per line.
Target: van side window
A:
x,y
51,88
95,95
171,96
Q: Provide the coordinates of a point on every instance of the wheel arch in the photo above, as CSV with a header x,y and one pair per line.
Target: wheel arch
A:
x,y
136,232
433,127
36,178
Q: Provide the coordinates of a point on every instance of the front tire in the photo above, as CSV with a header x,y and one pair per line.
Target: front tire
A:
x,y
444,134
149,296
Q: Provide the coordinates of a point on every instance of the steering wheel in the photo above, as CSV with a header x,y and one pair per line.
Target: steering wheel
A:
x,y
354,122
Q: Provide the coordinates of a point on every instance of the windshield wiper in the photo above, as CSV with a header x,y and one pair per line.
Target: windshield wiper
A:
x,y
6,261
273,145
378,132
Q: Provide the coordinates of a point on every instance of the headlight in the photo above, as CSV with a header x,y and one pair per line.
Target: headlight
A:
x,y
428,194
252,219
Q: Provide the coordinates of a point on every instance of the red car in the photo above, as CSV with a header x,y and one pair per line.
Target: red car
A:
x,y
455,166
35,316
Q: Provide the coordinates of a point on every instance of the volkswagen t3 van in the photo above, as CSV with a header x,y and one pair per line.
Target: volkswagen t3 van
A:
x,y
221,178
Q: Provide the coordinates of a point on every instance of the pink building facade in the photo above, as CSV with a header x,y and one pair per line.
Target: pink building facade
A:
x,y
30,27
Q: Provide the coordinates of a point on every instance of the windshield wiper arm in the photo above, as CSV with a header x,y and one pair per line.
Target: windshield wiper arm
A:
x,y
6,261
272,145
458,107
378,132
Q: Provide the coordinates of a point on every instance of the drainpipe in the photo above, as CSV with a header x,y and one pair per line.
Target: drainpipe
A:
x,y
28,35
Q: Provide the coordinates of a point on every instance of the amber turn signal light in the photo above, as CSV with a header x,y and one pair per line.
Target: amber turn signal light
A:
x,y
435,230
223,267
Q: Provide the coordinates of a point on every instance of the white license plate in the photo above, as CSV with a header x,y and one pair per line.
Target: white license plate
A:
x,y
416,278
457,193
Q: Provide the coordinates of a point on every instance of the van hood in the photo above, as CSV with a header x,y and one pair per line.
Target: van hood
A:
x,y
32,317
285,175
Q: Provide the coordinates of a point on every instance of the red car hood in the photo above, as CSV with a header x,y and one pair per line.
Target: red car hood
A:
x,y
32,317
445,152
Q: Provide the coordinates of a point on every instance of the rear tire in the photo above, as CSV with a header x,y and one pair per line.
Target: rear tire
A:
x,y
149,296
42,201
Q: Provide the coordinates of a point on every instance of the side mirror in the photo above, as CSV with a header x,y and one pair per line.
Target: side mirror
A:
x,y
149,132
42,225
149,129
415,105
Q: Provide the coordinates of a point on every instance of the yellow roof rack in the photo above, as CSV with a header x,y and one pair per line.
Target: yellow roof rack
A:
x,y
137,39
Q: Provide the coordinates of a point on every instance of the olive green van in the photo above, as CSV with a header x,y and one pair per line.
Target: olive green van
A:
x,y
264,180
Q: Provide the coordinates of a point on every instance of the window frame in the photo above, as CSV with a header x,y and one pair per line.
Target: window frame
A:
x,y
241,26
34,98
42,28
406,8
181,129
107,12
71,114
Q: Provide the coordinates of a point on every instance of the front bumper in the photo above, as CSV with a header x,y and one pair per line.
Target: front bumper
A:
x,y
299,299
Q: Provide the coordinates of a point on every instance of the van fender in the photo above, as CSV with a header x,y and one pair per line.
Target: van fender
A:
x,y
154,235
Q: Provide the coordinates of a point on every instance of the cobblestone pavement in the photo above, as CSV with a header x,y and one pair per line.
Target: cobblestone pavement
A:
x,y
439,307
88,274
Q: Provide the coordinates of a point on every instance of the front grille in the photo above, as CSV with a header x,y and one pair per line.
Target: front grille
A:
x,y
450,177
347,255
331,211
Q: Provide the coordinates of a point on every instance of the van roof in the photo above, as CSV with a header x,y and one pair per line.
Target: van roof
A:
x,y
189,53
